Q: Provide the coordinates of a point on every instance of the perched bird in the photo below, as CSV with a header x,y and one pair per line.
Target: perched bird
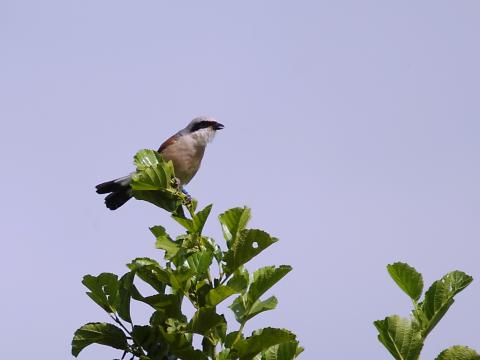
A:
x,y
185,149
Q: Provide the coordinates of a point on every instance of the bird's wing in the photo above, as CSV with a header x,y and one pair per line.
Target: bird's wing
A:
x,y
171,140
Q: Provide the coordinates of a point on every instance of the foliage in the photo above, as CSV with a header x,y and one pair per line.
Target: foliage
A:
x,y
404,337
197,270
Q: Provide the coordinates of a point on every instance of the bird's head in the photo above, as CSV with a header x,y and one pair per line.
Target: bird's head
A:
x,y
203,128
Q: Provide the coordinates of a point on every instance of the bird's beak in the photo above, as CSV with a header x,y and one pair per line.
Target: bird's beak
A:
x,y
217,126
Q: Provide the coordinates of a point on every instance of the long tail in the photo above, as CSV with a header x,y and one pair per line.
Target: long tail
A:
x,y
118,190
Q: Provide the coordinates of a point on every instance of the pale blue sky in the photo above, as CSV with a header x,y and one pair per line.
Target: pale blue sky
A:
x,y
352,129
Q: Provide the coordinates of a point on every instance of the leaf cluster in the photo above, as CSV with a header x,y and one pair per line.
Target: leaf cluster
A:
x,y
154,181
197,270
404,337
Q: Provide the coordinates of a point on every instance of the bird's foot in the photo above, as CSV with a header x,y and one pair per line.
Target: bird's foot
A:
x,y
175,183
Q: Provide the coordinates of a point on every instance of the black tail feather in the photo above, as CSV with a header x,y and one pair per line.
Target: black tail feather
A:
x,y
108,187
119,189
116,199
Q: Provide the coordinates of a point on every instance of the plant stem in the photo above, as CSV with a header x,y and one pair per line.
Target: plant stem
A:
x,y
119,322
214,351
239,333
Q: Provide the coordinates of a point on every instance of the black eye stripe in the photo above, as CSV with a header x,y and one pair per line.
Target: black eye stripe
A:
x,y
202,125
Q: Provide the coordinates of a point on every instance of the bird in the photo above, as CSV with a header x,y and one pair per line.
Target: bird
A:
x,y
185,149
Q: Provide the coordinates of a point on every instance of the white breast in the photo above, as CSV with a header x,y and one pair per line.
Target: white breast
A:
x,y
203,136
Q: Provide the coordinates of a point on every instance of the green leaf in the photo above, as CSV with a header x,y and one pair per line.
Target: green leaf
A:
x,y
245,246
249,305
407,278
180,279
168,200
169,309
142,335
150,271
211,245
180,343
125,286
223,355
401,337
103,290
153,180
261,306
240,280
262,340
264,278
284,351
219,332
196,224
439,298
205,319
190,354
299,350
231,338
199,262
202,287
164,242
145,159
244,310
148,337
200,218
186,223
239,308
168,304
217,295
233,221
458,353
98,333
153,172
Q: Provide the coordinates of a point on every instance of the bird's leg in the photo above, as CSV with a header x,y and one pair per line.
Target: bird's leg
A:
x,y
189,198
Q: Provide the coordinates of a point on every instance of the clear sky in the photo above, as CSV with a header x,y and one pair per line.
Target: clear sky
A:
x,y
352,129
